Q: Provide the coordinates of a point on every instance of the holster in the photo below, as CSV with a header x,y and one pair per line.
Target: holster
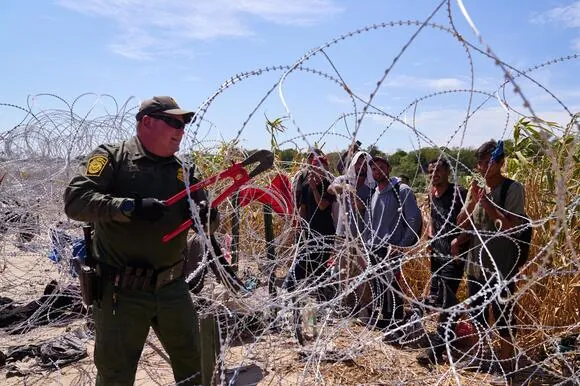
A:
x,y
88,276
89,282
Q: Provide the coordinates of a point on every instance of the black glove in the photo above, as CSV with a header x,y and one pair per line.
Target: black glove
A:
x,y
203,210
149,209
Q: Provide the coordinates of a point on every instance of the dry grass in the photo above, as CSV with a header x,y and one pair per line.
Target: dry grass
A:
x,y
547,296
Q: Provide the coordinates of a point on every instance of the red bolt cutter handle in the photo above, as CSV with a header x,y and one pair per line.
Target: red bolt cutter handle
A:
x,y
236,172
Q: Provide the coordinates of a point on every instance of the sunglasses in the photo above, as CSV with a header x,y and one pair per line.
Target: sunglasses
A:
x,y
173,122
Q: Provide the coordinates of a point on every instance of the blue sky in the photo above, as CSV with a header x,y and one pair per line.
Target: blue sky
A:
x,y
187,49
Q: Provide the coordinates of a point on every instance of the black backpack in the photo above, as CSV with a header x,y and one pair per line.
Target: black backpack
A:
x,y
523,237
397,191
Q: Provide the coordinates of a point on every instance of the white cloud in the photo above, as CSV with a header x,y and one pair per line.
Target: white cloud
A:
x,y
332,98
438,84
151,28
445,83
295,12
568,16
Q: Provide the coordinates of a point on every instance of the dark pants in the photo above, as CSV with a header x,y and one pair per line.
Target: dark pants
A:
x,y
445,274
387,294
445,280
310,264
502,312
120,338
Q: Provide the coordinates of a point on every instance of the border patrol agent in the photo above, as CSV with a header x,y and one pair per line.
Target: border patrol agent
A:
x,y
120,189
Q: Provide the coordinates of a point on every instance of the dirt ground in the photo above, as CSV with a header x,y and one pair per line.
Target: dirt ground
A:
x,y
345,353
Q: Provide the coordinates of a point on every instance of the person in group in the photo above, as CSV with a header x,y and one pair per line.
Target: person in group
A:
x,y
353,192
493,254
447,256
395,222
314,205
346,156
120,190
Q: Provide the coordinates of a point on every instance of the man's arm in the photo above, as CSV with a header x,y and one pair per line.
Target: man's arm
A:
x,y
336,187
87,197
463,237
475,194
412,217
359,204
323,200
514,204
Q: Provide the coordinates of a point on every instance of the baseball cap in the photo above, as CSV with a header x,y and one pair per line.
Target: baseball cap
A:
x,y
163,104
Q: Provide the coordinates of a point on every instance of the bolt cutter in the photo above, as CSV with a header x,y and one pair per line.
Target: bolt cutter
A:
x,y
236,172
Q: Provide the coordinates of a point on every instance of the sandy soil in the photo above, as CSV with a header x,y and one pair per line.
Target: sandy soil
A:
x,y
346,353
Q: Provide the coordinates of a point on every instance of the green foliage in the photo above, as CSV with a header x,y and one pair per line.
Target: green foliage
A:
x,y
208,163
545,159
287,157
318,145
274,127
374,151
397,156
414,164
333,161
542,145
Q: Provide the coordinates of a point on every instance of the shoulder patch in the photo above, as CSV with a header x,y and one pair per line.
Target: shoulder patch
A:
x,y
180,175
96,165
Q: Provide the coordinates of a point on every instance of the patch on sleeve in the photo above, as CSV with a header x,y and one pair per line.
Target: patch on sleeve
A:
x,y
96,165
180,175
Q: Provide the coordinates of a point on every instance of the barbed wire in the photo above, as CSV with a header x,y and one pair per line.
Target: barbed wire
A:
x,y
321,332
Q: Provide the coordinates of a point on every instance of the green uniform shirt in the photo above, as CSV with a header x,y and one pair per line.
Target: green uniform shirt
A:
x,y
112,173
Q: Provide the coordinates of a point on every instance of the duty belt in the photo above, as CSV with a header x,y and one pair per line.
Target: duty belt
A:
x,y
139,278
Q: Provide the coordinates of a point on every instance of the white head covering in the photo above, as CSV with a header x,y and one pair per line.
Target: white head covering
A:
x,y
347,181
351,172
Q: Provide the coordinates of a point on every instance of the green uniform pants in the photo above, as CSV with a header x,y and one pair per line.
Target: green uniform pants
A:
x,y
120,338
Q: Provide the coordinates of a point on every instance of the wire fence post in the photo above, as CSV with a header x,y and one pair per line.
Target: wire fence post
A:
x,y
235,231
269,233
270,248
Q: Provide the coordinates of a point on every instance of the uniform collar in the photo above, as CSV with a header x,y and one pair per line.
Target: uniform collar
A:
x,y
137,151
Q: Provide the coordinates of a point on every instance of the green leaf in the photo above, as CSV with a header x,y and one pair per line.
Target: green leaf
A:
x,y
521,157
516,134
